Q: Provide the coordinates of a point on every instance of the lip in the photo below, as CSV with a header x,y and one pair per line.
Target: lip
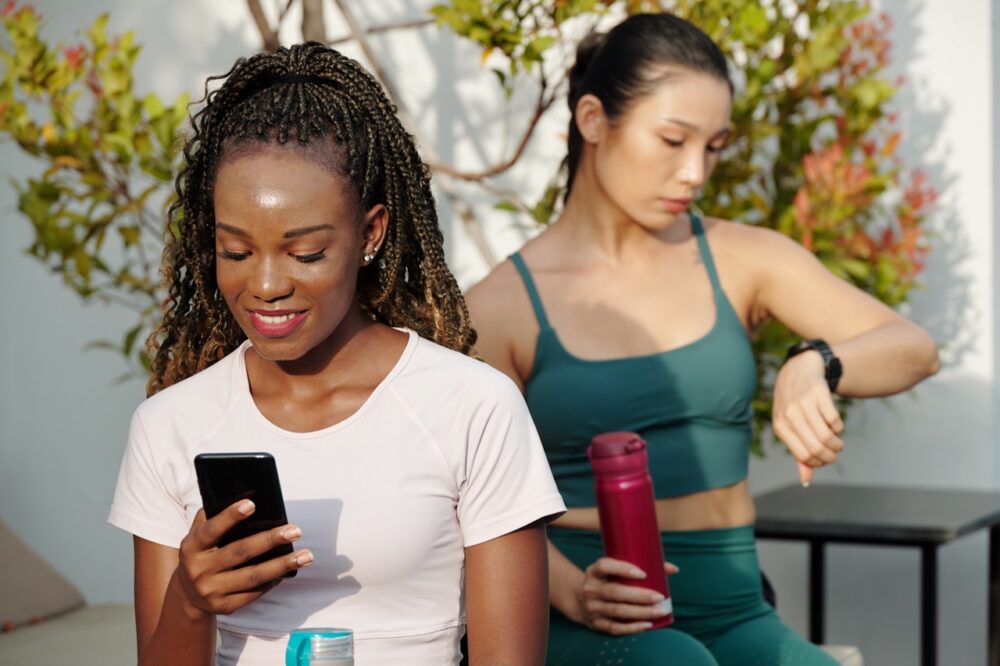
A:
x,y
676,205
263,321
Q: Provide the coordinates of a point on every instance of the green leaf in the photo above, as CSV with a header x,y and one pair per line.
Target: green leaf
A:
x,y
824,49
153,106
130,338
753,20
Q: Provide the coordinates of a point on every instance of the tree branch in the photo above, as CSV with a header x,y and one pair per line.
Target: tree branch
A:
x,y
415,23
460,207
281,14
541,106
268,35
313,26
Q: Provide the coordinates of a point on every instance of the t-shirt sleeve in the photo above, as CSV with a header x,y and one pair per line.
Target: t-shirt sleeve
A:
x,y
143,503
505,482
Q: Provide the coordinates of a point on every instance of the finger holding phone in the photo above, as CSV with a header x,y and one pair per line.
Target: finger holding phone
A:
x,y
214,578
237,548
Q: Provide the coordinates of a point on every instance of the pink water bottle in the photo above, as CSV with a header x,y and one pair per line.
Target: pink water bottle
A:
x,y
627,509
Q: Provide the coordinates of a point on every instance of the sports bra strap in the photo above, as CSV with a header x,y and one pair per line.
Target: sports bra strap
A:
x,y
706,253
529,284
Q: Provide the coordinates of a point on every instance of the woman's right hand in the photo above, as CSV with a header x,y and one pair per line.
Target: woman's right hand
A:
x,y
613,608
206,574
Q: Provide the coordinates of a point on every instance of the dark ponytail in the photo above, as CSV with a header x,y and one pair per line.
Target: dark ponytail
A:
x,y
629,61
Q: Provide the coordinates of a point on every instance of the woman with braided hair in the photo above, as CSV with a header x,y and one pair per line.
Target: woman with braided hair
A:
x,y
311,315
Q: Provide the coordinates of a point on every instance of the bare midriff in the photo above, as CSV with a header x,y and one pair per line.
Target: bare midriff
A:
x,y
731,506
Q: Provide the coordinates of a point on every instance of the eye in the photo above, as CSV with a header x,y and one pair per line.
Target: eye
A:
x,y
673,143
715,149
233,256
309,258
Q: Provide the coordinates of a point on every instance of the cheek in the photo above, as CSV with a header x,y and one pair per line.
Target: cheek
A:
x,y
334,282
633,169
227,280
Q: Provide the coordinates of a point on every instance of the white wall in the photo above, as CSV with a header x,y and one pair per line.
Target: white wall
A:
x,y
63,422
943,433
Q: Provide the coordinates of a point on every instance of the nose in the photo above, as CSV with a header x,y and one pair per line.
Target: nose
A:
x,y
269,283
694,168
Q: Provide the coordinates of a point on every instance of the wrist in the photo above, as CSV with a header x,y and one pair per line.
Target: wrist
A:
x,y
182,605
568,600
830,368
811,361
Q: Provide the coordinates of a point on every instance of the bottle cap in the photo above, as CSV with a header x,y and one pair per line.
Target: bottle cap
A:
x,y
612,444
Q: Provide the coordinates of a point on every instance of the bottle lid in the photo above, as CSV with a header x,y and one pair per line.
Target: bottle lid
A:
x,y
612,444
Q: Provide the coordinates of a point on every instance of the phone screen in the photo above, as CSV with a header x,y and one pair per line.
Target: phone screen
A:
x,y
226,478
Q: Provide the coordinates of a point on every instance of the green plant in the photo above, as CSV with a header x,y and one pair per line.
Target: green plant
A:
x,y
813,154
109,162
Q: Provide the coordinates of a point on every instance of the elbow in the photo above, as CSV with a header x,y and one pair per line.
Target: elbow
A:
x,y
929,362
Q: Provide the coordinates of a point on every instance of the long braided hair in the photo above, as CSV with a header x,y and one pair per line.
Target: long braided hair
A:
x,y
324,101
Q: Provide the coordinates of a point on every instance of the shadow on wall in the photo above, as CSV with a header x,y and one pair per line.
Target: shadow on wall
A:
x,y
946,307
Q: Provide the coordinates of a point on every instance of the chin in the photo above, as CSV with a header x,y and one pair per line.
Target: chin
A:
x,y
291,348
658,221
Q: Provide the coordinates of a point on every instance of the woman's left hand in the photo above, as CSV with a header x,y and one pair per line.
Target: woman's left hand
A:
x,y
803,415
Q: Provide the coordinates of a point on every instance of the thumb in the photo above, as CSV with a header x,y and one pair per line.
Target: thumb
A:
x,y
805,474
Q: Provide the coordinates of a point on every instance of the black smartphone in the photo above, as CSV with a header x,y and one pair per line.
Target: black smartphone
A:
x,y
226,478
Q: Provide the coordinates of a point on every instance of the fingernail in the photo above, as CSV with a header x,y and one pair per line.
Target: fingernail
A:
x,y
646,625
657,598
304,557
638,573
291,532
246,507
805,484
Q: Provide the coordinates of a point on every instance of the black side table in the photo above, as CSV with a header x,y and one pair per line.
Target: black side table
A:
x,y
924,518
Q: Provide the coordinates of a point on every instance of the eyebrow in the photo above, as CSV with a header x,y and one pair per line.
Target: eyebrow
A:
x,y
292,233
691,126
296,233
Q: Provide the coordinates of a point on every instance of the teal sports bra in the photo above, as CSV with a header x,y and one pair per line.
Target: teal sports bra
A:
x,y
692,404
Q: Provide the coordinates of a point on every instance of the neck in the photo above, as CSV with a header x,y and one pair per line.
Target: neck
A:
x,y
338,360
601,230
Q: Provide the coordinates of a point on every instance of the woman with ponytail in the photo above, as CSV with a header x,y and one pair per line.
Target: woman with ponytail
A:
x,y
630,312
310,314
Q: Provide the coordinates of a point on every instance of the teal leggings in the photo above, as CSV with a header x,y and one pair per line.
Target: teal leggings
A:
x,y
720,616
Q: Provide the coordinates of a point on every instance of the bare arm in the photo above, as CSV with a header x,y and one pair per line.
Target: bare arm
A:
x,y
178,592
507,599
165,633
881,352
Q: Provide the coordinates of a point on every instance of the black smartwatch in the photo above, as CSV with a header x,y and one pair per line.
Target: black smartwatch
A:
x,y
832,369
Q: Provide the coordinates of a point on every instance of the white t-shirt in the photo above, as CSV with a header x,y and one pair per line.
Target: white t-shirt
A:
x,y
443,455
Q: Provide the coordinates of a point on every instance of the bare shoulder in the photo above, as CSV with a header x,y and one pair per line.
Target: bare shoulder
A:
x,y
751,246
489,298
504,320
729,232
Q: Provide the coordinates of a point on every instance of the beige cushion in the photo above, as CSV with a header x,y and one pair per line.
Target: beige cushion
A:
x,y
846,655
91,636
30,589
